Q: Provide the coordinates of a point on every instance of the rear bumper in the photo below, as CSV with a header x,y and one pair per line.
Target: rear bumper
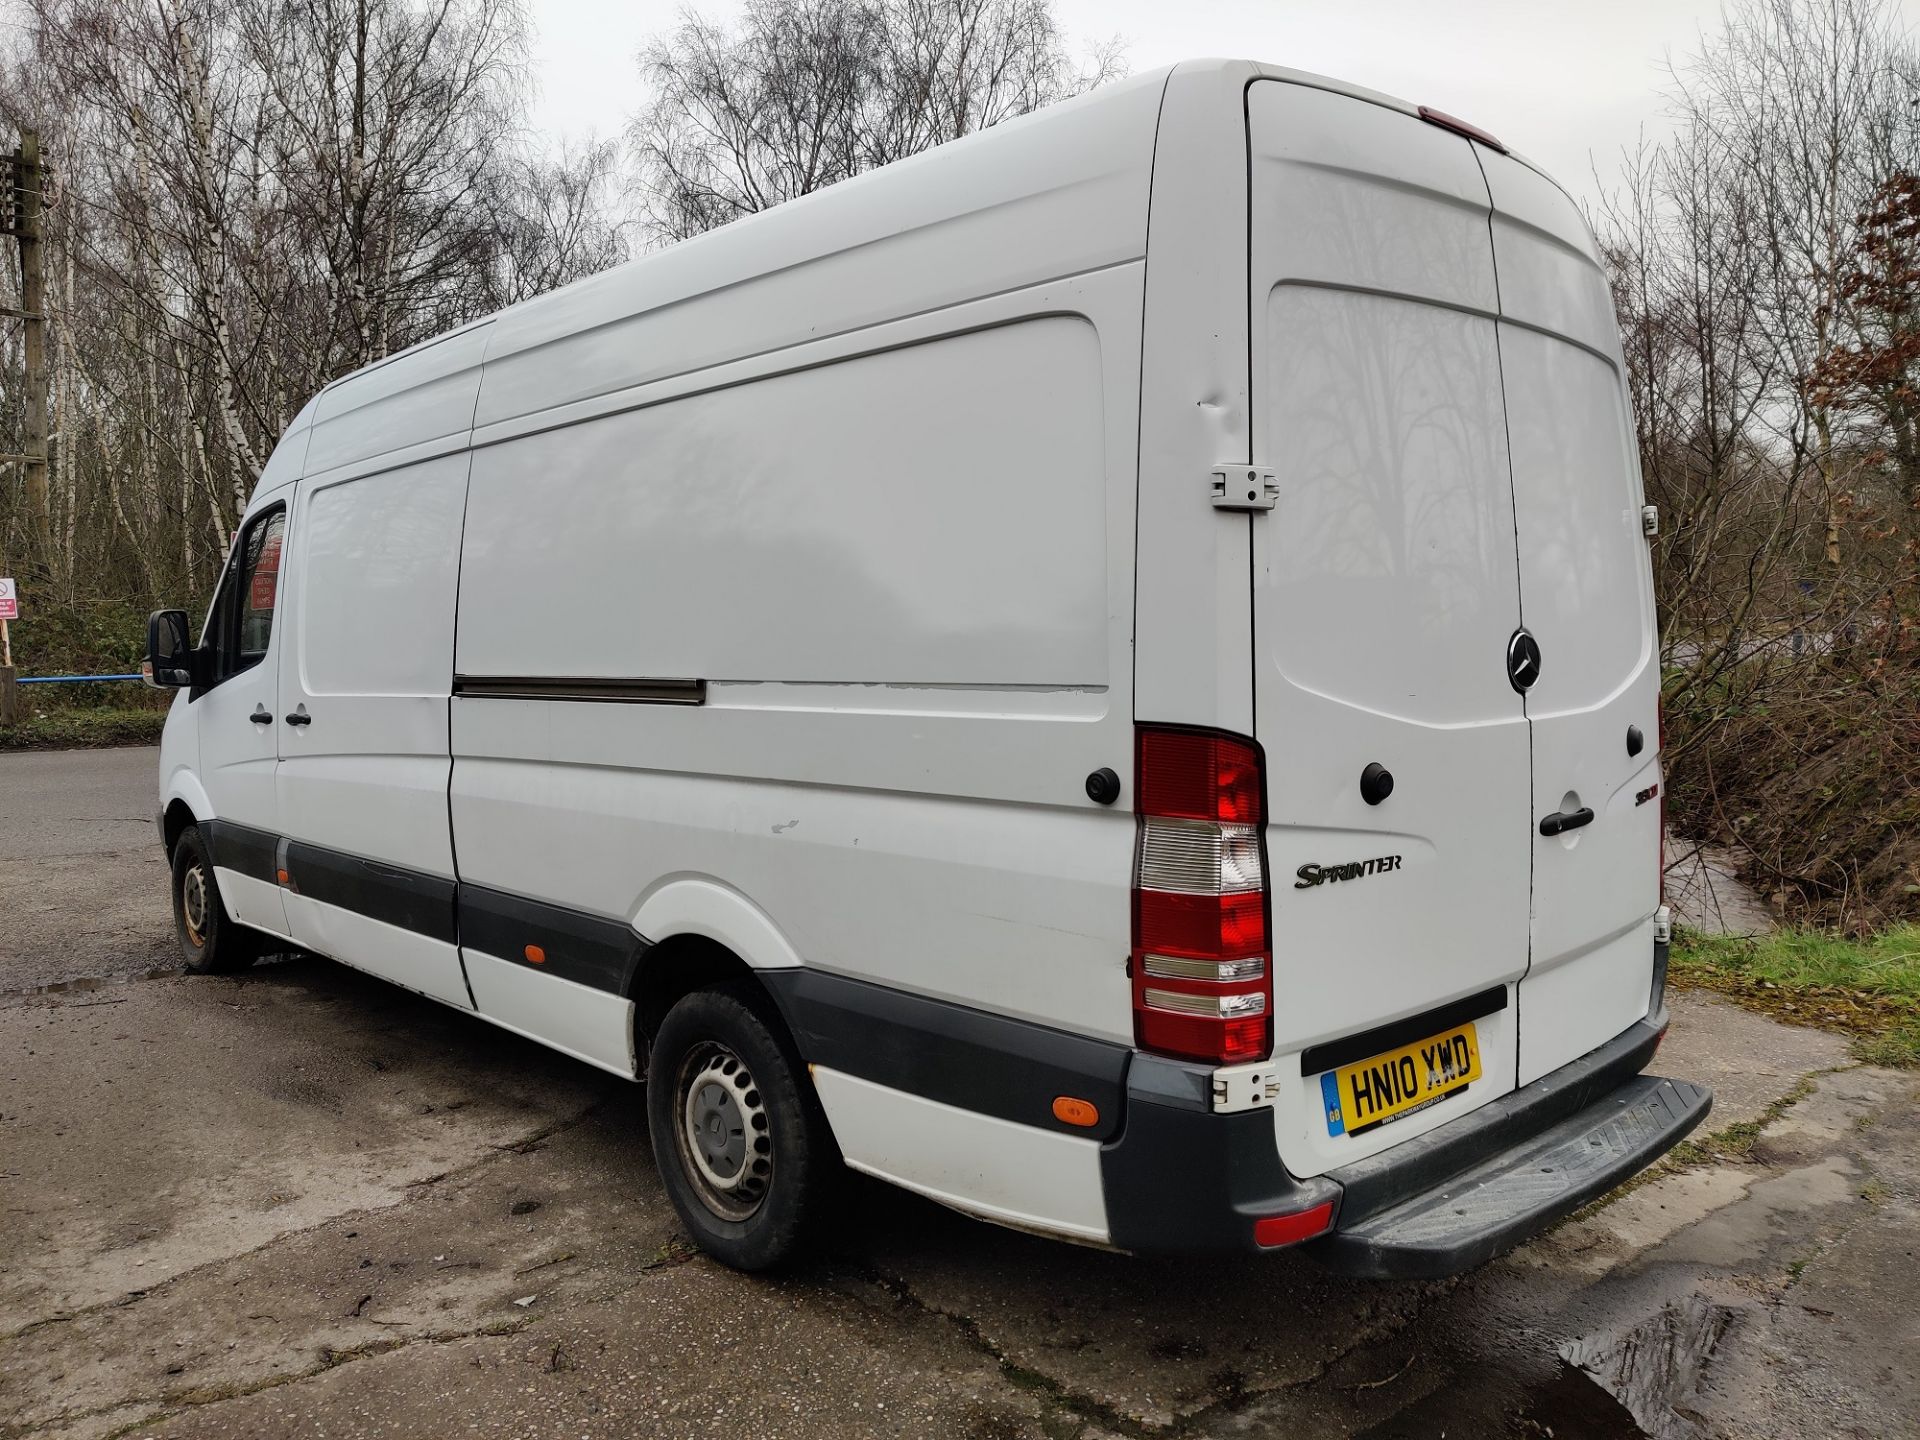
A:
x,y
1180,1178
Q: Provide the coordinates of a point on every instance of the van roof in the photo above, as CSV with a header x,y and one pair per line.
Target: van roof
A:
x,y
985,169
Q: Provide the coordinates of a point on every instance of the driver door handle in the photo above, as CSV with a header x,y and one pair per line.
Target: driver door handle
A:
x,y
1562,821
261,715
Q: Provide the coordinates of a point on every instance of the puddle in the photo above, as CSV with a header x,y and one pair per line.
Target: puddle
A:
x,y
1653,1369
1575,1406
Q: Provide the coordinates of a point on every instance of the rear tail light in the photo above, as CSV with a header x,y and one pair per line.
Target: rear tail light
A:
x,y
1202,964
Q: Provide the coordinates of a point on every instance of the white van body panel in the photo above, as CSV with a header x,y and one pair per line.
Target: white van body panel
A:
x,y
369,602
575,1019
943,658
1587,592
1385,589
1015,1174
787,591
424,966
1194,623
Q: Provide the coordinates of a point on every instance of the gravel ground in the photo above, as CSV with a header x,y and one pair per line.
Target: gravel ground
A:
x,y
299,1202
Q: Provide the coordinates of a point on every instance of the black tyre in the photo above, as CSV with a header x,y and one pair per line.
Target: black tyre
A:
x,y
743,1148
210,943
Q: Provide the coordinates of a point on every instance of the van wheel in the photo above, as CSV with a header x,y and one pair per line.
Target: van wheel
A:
x,y
210,943
743,1150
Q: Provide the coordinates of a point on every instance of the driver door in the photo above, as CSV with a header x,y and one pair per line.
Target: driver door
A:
x,y
233,701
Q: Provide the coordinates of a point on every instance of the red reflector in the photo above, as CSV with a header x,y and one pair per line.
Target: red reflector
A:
x,y
1460,127
1203,927
1193,775
1292,1229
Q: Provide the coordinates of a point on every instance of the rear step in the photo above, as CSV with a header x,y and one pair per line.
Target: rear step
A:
x,y
1455,1197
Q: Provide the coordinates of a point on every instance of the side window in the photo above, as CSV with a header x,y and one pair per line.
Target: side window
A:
x,y
244,615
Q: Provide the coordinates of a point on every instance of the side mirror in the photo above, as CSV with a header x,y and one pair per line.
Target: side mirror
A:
x,y
169,663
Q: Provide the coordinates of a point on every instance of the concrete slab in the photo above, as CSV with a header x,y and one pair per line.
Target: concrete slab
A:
x,y
1748,1060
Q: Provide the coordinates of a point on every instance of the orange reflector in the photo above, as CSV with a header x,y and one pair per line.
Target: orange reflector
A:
x,y
535,954
283,876
1069,1111
1292,1229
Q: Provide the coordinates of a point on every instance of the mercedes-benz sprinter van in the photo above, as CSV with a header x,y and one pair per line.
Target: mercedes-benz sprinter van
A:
x,y
1104,674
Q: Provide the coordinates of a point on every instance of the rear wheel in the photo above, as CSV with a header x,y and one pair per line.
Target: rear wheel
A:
x,y
210,943
742,1147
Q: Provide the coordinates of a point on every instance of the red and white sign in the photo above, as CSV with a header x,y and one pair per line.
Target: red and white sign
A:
x,y
9,601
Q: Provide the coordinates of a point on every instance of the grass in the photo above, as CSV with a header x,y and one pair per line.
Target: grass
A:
x,y
1870,989
81,729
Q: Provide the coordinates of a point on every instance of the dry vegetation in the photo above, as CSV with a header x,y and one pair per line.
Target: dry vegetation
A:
x,y
1766,261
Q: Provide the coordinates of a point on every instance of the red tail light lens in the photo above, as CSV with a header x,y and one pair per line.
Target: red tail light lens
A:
x,y
1198,775
1202,964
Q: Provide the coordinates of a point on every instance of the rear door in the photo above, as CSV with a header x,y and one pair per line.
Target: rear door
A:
x,y
1386,591
1586,595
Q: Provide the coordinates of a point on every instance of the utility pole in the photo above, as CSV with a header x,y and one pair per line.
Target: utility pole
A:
x,y
21,215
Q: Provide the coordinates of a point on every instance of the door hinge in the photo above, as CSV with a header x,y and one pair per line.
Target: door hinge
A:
x,y
1650,520
1244,487
1245,1087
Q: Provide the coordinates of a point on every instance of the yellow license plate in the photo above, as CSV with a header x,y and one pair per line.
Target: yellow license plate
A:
x,y
1387,1087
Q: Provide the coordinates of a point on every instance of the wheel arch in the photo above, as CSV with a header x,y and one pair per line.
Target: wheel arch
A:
x,y
703,933
186,804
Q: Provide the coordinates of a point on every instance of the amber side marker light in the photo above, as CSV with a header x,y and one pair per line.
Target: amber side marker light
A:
x,y
1276,1230
536,955
283,876
1070,1111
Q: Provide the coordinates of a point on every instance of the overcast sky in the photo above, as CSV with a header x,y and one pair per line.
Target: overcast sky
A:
x,y
1567,84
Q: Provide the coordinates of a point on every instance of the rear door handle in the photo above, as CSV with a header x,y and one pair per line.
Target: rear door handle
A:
x,y
300,717
261,715
1562,821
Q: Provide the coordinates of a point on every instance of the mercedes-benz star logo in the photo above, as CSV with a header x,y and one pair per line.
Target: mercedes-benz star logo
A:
x,y
1523,660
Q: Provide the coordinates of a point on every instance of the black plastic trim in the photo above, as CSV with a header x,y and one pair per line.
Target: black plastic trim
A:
x,y
409,899
1537,1178
587,949
639,691
241,848
1349,1048
1430,1160
991,1064
1181,1180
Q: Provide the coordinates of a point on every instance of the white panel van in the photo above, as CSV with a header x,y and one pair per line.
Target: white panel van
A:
x,y
1104,674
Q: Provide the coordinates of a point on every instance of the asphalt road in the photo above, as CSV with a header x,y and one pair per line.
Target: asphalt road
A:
x,y
299,1202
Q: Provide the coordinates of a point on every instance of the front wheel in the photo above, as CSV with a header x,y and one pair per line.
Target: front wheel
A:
x,y
210,943
742,1147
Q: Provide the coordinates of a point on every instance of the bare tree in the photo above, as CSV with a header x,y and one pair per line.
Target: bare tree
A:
x,y
804,93
256,198
1762,267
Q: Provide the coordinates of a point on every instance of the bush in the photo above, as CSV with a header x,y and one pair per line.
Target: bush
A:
x,y
1813,766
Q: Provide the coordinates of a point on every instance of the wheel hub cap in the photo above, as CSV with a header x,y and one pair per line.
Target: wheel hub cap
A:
x,y
723,1131
193,904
